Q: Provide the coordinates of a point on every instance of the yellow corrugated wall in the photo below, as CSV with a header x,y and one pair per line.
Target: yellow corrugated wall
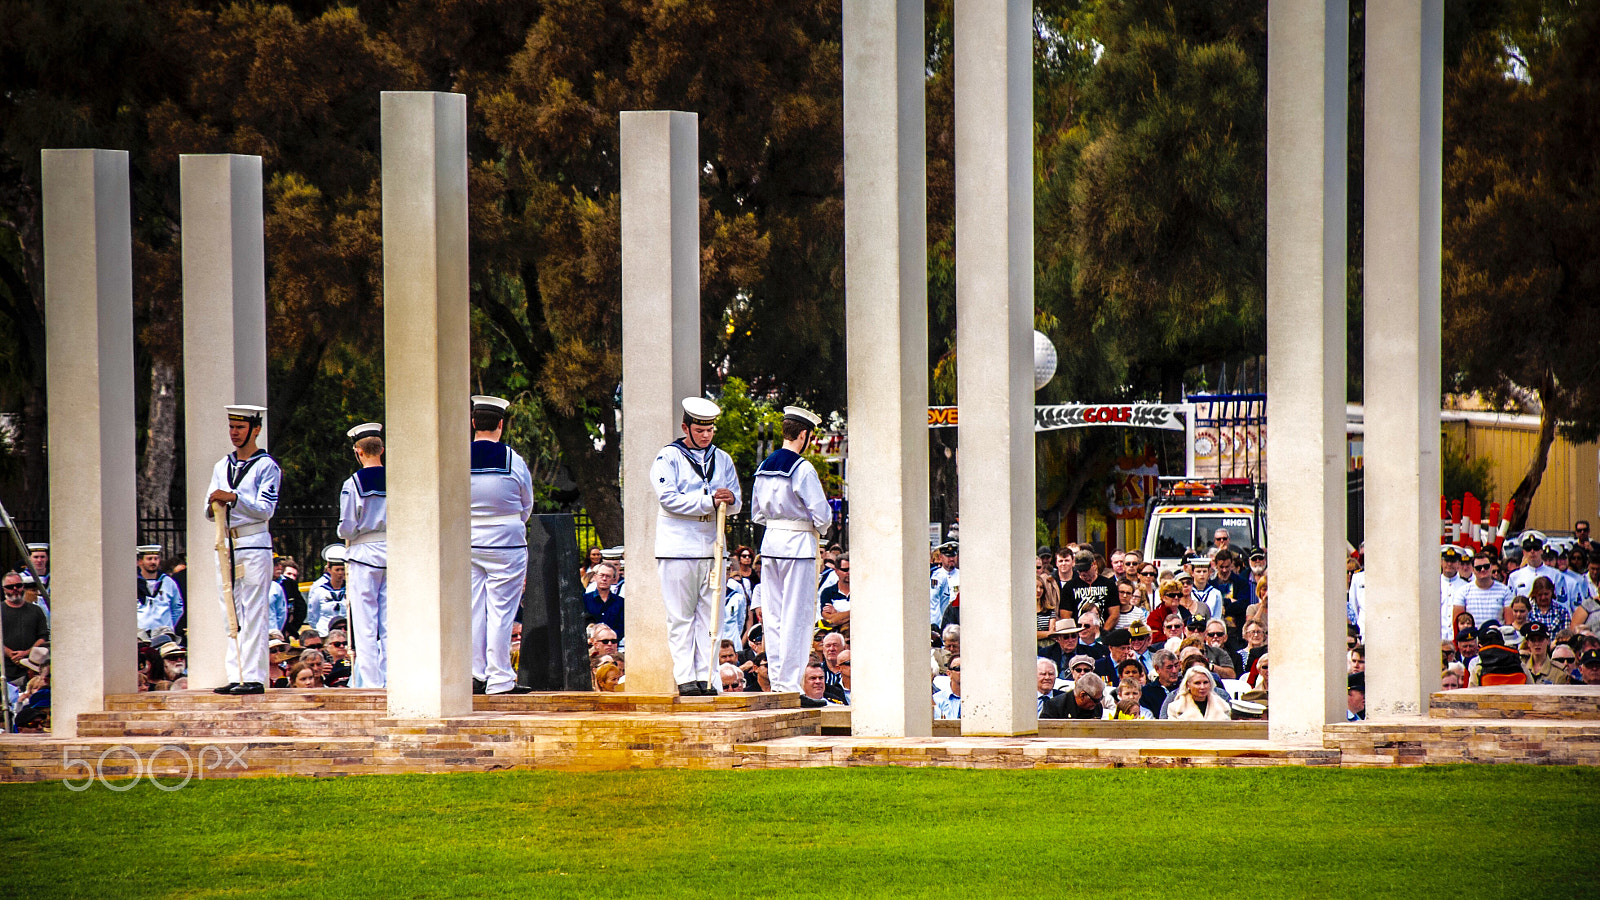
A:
x,y
1569,490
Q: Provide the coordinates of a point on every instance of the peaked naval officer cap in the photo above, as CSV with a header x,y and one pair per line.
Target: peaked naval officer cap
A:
x,y
1532,540
40,546
365,429
143,549
244,412
611,553
804,415
485,403
700,411
333,554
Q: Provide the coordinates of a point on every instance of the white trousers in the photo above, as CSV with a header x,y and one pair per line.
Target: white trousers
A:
x,y
692,610
498,576
367,593
246,658
788,615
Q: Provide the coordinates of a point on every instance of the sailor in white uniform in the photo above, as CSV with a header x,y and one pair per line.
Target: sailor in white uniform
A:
x,y
160,601
326,599
39,563
787,497
363,516
502,500
247,480
691,478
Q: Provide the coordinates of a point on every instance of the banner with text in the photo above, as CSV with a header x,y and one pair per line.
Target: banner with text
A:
x,y
1081,415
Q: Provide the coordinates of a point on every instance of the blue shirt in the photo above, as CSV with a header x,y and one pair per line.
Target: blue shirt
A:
x,y
607,612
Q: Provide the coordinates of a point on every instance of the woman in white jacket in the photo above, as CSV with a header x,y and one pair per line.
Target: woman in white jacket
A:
x,y
1196,701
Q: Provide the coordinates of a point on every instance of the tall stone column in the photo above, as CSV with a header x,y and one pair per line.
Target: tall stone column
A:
x,y
425,352
886,326
1403,149
660,351
88,297
224,362
1307,78
994,340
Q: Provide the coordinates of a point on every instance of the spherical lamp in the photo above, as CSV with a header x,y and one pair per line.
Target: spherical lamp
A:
x,y
1044,360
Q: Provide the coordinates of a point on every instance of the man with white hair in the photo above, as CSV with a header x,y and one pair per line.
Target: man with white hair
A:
x,y
692,477
1084,701
1046,671
787,497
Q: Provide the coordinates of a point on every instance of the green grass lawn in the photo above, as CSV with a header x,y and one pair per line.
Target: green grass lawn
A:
x,y
1458,832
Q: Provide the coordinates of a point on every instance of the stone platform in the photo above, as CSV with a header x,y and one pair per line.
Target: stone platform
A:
x,y
349,732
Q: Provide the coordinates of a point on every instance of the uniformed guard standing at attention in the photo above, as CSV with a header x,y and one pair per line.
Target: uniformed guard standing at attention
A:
x,y
691,478
160,602
787,497
502,500
39,563
247,480
326,599
363,517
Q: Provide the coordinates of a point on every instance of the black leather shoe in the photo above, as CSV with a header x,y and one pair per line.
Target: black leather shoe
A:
x,y
808,703
249,687
225,689
479,686
690,689
705,689
514,689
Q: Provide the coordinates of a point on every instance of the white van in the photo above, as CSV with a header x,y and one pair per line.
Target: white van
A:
x,y
1184,515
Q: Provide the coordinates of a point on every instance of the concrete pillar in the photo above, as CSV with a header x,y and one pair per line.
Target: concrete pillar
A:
x,y
886,326
426,339
660,352
1403,148
224,362
994,334
88,298
1307,77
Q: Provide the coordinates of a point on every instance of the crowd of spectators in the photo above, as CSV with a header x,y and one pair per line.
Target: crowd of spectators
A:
x,y
1117,637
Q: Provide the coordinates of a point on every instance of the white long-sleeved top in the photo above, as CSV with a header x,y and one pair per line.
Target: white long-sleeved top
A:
x,y
684,480
160,604
787,487
364,510
324,603
256,480
501,487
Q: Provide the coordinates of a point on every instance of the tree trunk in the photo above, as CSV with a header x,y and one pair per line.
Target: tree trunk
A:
x,y
161,442
1529,486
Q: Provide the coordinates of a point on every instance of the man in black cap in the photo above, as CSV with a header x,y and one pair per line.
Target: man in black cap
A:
x,y
1589,667
1119,648
940,591
1356,698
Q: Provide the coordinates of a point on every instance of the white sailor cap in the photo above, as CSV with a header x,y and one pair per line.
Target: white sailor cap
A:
x,y
804,415
27,577
333,554
485,403
34,548
144,549
611,553
245,412
365,429
700,411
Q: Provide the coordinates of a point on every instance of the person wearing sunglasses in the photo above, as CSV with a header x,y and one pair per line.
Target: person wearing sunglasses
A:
x,y
1485,598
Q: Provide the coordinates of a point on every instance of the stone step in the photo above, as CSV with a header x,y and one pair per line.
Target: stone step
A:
x,y
1535,701
229,723
376,699
1025,753
1434,741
